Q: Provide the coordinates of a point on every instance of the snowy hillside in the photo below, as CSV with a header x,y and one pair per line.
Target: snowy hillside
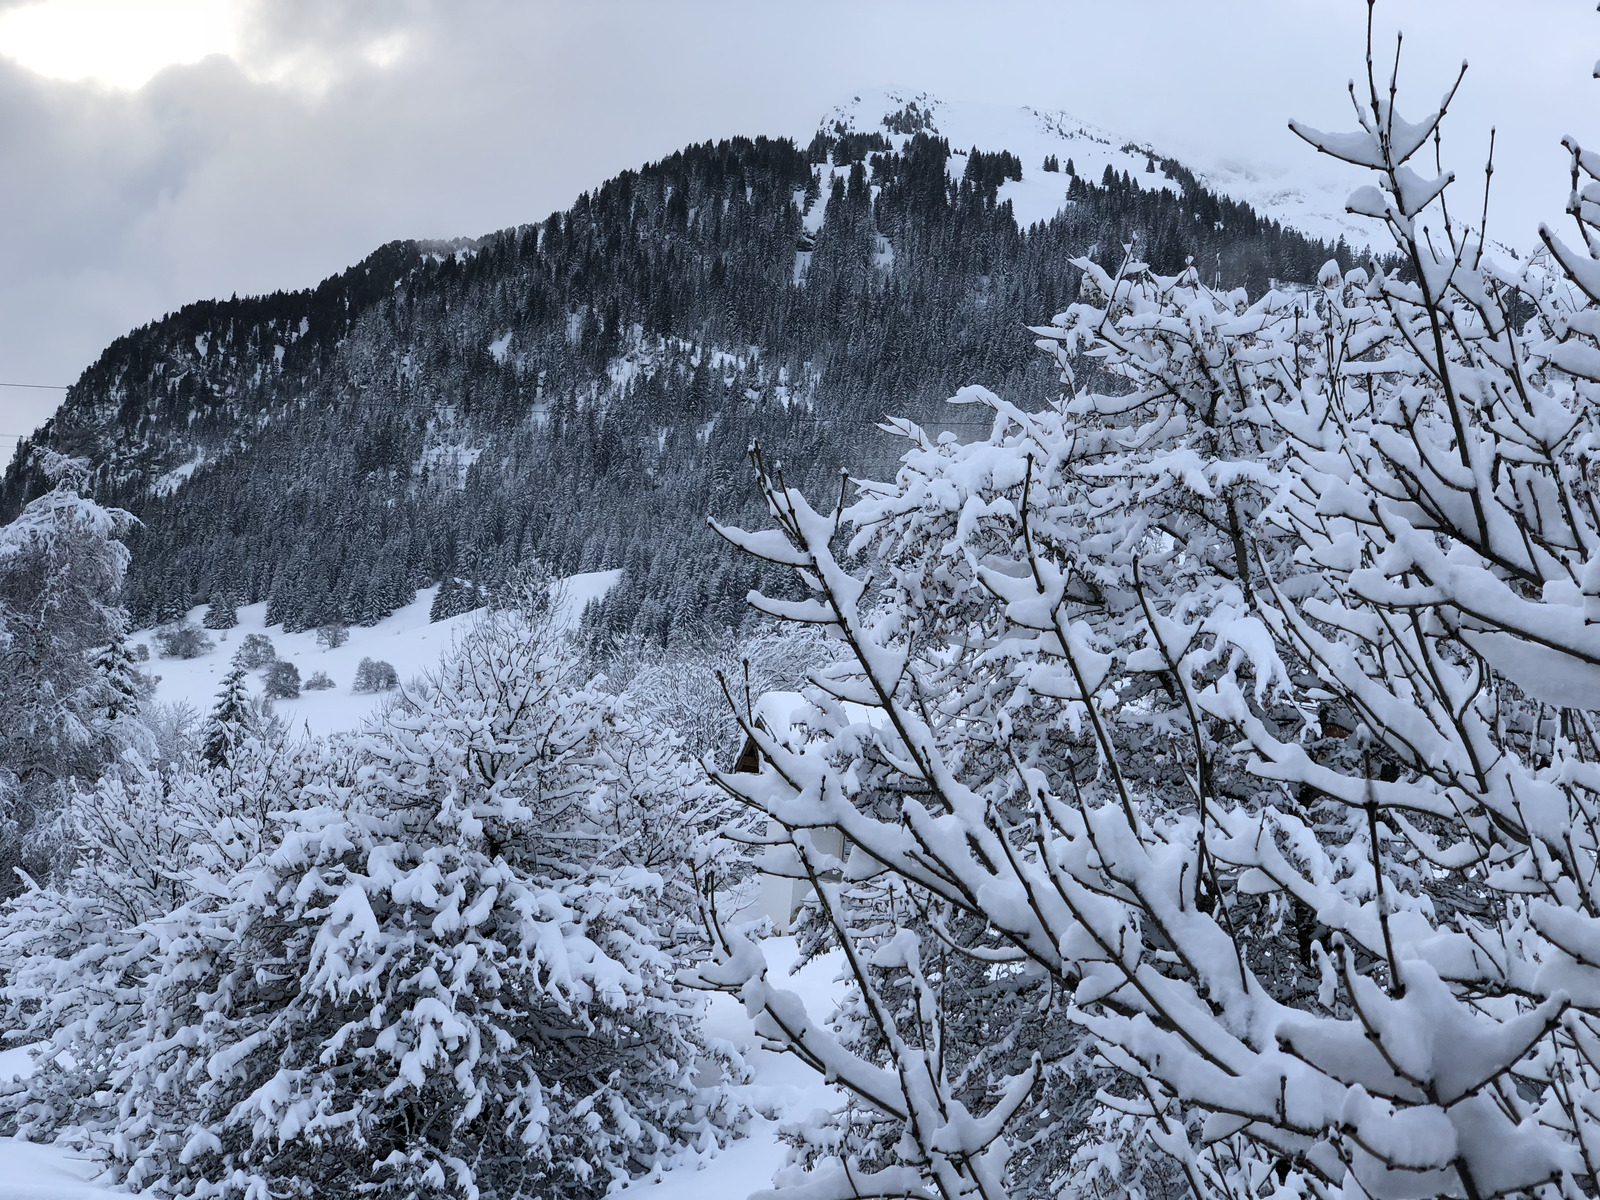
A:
x,y
405,639
1315,208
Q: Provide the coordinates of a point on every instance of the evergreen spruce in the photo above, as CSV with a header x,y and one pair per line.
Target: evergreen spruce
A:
x,y
229,718
221,613
446,600
124,685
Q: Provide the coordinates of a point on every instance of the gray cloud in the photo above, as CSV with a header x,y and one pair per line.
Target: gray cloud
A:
x,y
289,164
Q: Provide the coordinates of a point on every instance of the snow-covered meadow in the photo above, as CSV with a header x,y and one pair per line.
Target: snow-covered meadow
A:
x,y
405,639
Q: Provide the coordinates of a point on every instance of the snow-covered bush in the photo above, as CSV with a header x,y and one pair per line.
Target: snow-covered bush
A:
x,y
1242,722
682,687
320,681
333,635
374,675
255,652
182,640
281,681
84,955
431,958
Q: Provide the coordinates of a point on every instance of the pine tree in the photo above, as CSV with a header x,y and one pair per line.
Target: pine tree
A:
x,y
221,613
228,720
445,600
124,684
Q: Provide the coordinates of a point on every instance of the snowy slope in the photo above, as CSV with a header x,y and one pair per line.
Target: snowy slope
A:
x,y
782,1087
1312,206
406,640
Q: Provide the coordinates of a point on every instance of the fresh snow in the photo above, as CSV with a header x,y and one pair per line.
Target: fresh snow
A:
x,y
782,1090
1314,207
30,1171
406,639
577,592
170,482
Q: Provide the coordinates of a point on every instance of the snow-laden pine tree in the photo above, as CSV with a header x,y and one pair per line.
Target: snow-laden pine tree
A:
x,y
67,684
432,958
1241,722
229,718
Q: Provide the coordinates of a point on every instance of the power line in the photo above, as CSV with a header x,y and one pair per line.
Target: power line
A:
x,y
43,387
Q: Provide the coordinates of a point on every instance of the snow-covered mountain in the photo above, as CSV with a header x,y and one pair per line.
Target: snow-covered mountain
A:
x,y
583,389
1314,207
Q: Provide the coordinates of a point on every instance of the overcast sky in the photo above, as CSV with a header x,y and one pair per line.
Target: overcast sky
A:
x,y
154,152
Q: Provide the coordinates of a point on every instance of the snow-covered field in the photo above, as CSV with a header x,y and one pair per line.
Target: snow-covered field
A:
x,y
782,1086
406,640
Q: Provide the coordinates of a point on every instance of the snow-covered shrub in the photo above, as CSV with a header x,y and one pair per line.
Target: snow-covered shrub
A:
x,y
84,955
281,681
333,635
680,687
182,640
432,958
320,681
1247,717
173,733
374,675
530,589
255,652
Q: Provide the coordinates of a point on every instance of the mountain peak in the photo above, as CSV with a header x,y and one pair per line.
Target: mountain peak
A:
x,y
1312,206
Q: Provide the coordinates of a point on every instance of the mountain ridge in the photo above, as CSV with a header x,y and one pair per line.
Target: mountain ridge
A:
x,y
1316,209
582,389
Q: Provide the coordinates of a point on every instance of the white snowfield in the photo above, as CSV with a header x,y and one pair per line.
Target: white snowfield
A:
x,y
783,1088
1302,200
405,639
